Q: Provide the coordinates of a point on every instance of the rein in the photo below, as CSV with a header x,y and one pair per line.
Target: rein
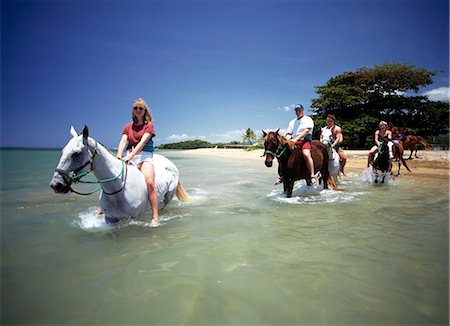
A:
x,y
72,176
278,154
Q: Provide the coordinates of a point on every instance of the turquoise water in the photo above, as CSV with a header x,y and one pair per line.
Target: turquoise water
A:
x,y
237,253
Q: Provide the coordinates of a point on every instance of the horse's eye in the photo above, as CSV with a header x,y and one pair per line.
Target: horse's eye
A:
x,y
75,154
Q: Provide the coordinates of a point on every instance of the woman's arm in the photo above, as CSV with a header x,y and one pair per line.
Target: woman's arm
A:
x,y
376,138
389,134
122,144
138,148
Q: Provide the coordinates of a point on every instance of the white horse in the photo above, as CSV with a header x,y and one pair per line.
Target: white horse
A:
x,y
123,188
334,164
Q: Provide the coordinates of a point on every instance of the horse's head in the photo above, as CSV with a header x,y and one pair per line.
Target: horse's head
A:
x,y
76,158
326,142
383,150
272,146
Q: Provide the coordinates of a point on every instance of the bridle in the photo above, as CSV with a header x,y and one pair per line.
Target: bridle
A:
x,y
73,177
278,153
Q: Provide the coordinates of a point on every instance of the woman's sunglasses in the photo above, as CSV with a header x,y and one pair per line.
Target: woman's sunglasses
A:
x,y
136,108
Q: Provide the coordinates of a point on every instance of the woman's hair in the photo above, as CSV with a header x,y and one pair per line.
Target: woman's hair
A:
x,y
382,123
140,103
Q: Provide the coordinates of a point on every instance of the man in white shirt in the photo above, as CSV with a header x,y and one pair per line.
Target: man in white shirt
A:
x,y
300,132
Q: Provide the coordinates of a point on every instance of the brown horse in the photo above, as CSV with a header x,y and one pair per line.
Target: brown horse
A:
x,y
411,142
397,151
291,163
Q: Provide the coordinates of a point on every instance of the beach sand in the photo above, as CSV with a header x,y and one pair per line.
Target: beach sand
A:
x,y
429,164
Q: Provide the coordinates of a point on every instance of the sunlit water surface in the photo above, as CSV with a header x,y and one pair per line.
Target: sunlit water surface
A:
x,y
238,252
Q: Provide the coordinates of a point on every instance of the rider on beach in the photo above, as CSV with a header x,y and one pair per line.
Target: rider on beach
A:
x,y
333,134
300,132
379,135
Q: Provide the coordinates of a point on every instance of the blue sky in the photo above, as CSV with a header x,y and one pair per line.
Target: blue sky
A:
x,y
208,69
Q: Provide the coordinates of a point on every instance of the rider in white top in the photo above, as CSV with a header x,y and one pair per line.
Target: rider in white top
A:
x,y
298,126
300,132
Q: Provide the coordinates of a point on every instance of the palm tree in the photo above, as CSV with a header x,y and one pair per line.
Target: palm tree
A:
x,y
248,136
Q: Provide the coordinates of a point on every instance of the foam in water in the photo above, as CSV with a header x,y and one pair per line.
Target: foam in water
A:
x,y
303,194
90,222
370,177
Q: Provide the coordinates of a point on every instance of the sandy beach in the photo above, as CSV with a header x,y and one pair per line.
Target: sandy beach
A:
x,y
429,164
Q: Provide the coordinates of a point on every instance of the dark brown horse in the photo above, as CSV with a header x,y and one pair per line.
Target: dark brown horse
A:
x,y
397,151
411,142
291,163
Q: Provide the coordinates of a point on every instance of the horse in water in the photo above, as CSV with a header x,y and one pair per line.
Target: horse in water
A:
x,y
123,188
397,151
411,142
334,163
291,163
382,163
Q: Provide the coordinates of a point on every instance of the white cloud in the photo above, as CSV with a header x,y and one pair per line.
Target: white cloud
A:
x,y
439,94
287,108
227,136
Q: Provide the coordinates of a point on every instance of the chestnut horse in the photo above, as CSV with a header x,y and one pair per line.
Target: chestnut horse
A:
x,y
411,142
397,151
291,163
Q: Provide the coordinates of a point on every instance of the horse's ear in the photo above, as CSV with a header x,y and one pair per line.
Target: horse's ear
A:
x,y
264,133
276,131
73,132
85,132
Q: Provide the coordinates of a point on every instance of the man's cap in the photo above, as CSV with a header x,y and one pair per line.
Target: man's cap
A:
x,y
299,107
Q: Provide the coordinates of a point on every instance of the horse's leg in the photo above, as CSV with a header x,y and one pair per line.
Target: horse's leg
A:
x,y
285,186
325,174
290,189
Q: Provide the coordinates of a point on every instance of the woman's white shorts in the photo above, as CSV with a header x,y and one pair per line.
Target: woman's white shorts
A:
x,y
142,157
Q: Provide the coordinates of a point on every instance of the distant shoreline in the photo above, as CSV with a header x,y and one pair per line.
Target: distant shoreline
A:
x,y
430,164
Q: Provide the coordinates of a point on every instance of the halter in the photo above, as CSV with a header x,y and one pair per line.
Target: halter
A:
x,y
280,151
72,176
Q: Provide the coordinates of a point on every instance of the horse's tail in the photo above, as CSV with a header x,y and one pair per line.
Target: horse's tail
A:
x,y
181,193
424,143
332,183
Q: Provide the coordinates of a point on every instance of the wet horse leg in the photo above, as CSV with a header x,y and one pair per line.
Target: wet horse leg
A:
x,y
289,188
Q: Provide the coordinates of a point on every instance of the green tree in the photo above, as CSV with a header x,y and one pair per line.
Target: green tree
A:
x,y
360,99
248,136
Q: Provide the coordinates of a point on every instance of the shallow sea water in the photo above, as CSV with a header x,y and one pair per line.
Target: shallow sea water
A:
x,y
238,252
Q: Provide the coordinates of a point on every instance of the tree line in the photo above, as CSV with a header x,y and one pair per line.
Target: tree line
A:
x,y
360,99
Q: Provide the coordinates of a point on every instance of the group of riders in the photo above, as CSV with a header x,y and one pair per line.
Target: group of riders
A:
x,y
300,131
137,143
